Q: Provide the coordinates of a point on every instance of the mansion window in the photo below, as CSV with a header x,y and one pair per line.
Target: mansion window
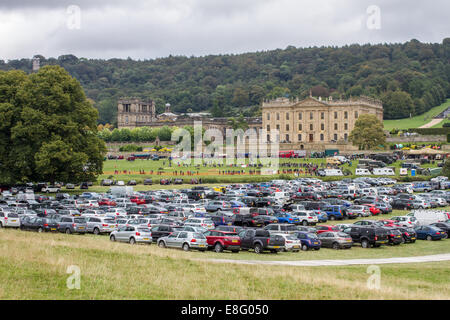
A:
x,y
287,115
268,116
322,126
345,115
335,126
311,115
322,115
346,126
287,127
311,127
278,116
299,137
335,115
300,127
321,137
300,116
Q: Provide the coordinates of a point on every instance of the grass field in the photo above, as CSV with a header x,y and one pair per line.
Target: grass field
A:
x,y
417,121
34,266
209,175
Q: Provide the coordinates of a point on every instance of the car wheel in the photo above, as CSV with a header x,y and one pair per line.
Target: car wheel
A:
x,y
304,247
429,238
332,218
132,240
185,247
258,248
1,225
40,230
403,240
68,231
274,251
96,231
161,244
235,251
335,246
365,244
317,249
112,238
304,222
218,247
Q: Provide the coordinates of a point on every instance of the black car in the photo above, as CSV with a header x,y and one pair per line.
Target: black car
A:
x,y
234,229
148,182
445,226
367,235
409,234
38,224
162,230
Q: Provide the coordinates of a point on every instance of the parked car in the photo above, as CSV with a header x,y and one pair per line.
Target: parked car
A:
x,y
429,233
9,220
261,240
308,240
291,243
132,235
72,224
445,226
162,230
222,240
184,240
99,225
368,236
336,240
38,224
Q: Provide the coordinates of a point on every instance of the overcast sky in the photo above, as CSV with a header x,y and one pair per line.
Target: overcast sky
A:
x,y
145,29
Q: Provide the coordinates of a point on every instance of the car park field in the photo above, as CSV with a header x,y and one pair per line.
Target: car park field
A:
x,y
153,230
35,267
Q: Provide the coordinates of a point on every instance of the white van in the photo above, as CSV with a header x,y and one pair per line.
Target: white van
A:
x,y
333,172
383,172
362,172
426,217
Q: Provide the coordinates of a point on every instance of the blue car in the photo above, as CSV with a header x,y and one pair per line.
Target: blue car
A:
x,y
284,217
429,233
321,216
309,240
334,212
237,204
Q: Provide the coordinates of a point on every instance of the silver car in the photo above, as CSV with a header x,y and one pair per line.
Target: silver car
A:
x,y
132,235
98,225
184,240
9,219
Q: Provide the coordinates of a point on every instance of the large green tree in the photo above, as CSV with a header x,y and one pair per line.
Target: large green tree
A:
x,y
368,132
48,129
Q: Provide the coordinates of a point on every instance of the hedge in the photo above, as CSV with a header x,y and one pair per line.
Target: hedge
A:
x,y
431,131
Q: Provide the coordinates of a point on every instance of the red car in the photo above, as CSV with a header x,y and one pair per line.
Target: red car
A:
x,y
222,240
107,202
389,223
137,200
373,209
321,229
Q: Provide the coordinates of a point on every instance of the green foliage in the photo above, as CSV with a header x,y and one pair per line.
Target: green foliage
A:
x,y
130,148
48,129
368,132
410,78
446,169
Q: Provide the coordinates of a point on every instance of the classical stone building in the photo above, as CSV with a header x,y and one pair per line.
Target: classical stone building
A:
x,y
316,124
134,112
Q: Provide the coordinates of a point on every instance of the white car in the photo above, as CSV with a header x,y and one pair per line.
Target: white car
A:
x,y
9,220
306,217
406,221
291,243
51,189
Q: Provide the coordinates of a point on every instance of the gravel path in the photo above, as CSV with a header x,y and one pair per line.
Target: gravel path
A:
x,y
347,262
432,123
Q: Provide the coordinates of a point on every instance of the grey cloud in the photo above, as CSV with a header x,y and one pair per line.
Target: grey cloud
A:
x,y
157,28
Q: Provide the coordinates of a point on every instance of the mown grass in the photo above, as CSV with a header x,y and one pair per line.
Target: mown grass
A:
x,y
33,266
417,121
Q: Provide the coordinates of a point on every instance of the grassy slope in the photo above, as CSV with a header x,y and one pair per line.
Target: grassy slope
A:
x,y
34,267
417,121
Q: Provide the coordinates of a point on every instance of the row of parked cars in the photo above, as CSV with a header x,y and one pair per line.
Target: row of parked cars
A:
x,y
275,216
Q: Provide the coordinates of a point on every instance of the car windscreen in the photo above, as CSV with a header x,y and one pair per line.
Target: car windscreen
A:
x,y
313,236
109,221
199,236
144,229
80,220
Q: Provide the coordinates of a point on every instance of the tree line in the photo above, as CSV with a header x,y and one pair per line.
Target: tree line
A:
x,y
410,78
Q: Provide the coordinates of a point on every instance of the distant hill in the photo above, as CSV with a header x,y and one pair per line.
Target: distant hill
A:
x,y
410,78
